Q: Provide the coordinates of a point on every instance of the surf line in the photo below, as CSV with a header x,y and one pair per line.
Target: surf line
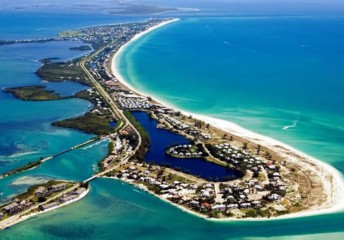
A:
x,y
291,126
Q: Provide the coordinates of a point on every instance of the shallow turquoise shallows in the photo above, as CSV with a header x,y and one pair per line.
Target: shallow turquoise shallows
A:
x,y
115,210
279,76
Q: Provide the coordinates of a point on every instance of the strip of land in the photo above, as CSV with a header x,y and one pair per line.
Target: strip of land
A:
x,y
275,180
33,93
321,185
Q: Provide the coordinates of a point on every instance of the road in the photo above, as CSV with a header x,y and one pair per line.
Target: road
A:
x,y
17,217
113,107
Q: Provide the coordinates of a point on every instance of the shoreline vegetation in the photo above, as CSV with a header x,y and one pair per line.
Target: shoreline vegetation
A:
x,y
278,181
81,48
33,93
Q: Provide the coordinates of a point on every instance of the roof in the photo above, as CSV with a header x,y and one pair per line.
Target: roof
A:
x,y
10,206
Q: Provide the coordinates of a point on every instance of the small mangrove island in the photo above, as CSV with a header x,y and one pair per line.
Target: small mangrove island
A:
x,y
33,93
81,48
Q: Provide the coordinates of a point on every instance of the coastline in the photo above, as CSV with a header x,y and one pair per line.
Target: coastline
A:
x,y
27,217
331,178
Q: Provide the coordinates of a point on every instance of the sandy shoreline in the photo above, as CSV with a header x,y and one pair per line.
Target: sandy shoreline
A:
x,y
331,177
26,217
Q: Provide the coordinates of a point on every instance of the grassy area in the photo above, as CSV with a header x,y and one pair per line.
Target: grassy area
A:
x,y
145,145
31,190
57,72
90,123
110,147
71,33
33,93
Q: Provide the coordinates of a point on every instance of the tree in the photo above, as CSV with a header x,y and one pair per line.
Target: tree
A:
x,y
41,199
258,149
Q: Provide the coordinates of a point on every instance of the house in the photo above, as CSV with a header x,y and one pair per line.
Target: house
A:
x,y
219,207
68,198
12,208
245,205
47,206
79,191
40,191
206,207
232,206
58,187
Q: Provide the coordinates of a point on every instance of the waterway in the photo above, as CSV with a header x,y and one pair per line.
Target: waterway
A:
x,y
161,139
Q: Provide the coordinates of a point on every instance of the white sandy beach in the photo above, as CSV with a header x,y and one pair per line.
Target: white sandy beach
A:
x,y
331,177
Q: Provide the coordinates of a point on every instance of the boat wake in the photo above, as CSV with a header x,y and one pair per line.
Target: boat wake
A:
x,y
28,59
94,144
240,47
290,126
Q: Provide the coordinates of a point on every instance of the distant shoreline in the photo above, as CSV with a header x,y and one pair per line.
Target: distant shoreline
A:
x,y
330,177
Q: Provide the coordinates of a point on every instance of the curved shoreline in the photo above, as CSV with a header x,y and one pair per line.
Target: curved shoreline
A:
x,y
332,179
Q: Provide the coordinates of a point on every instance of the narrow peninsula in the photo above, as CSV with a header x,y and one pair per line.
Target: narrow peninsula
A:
x,y
245,175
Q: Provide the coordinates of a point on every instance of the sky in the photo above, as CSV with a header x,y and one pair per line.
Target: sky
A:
x,y
229,6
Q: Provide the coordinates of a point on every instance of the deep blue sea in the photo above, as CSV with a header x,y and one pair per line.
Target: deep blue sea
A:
x,y
280,76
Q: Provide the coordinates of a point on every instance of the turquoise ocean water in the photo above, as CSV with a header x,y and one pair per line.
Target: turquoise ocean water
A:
x,y
279,76
264,73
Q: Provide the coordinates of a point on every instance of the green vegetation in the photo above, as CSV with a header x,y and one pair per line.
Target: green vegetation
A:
x,y
83,95
57,72
214,214
31,190
90,123
23,168
254,213
81,48
145,145
110,147
33,93
71,33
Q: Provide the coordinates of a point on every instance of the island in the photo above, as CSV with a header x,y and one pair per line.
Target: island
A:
x,y
215,170
81,48
33,93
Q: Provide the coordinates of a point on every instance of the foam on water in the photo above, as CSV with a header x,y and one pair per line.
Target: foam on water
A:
x,y
291,126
